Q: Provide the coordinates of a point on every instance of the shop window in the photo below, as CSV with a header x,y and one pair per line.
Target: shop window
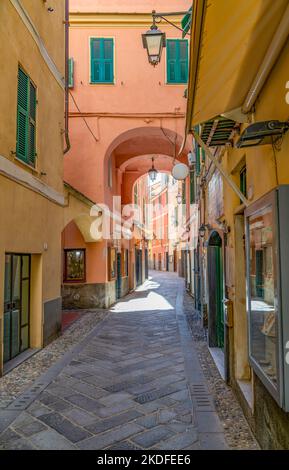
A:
x,y
74,265
268,298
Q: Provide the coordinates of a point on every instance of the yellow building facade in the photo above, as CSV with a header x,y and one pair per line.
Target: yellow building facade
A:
x,y
31,184
234,84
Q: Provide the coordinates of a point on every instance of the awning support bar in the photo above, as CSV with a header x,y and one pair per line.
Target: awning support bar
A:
x,y
218,165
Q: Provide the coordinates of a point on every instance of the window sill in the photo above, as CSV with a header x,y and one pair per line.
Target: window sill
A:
x,y
246,388
32,168
176,83
102,83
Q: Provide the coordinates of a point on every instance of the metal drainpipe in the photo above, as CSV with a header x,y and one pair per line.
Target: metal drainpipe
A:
x,y
277,43
66,132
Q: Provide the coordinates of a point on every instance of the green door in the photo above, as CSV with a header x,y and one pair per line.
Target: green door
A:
x,y
118,277
216,292
219,298
16,305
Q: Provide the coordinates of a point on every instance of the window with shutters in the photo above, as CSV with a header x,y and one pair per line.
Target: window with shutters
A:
x,y
177,60
71,72
26,119
101,60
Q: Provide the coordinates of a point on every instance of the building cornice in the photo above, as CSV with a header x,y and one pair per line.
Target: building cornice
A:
x,y
13,172
119,20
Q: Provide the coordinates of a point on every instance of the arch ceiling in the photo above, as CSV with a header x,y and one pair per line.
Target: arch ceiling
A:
x,y
146,141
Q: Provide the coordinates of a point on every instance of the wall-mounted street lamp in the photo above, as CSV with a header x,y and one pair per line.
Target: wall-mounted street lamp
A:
x,y
153,172
154,40
203,228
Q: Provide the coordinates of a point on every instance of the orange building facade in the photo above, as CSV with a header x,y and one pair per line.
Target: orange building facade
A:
x,y
123,112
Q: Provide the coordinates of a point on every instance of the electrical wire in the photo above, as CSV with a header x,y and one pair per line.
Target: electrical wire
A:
x,y
82,117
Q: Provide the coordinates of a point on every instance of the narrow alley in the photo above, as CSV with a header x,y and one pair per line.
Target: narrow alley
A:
x,y
133,382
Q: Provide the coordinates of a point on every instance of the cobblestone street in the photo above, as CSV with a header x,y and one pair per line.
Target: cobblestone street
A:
x,y
134,381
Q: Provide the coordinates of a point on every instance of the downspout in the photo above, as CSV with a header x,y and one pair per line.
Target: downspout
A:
x,y
277,44
66,116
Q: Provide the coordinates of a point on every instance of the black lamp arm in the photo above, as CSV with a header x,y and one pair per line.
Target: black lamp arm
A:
x,y
156,15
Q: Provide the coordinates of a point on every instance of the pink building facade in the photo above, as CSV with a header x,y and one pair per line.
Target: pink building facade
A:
x,y
123,112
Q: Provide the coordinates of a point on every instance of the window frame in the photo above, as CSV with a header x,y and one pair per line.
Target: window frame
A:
x,y
111,277
166,68
113,61
29,120
65,278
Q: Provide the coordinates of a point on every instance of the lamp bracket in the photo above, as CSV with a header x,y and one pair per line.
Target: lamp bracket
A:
x,y
162,16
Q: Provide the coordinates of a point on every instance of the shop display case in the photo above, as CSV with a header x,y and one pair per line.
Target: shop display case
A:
x,y
267,249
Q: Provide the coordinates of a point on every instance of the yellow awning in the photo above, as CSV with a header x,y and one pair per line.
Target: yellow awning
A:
x,y
229,41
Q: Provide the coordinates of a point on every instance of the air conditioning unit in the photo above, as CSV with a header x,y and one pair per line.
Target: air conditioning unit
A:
x,y
262,133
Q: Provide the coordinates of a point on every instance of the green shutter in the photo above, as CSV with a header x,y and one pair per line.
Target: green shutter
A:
x,y
198,160
26,116
186,22
101,60
71,72
192,187
177,61
171,61
22,115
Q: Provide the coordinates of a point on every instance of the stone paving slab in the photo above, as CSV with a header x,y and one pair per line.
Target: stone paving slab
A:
x,y
128,385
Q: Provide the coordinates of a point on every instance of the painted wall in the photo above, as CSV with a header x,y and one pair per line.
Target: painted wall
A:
x,y
136,116
266,169
27,207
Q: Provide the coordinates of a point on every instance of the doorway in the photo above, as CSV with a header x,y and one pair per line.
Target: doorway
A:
x,y
160,262
216,291
16,304
118,276
175,261
167,261
138,266
146,263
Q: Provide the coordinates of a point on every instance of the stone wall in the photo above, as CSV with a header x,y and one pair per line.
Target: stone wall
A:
x,y
52,320
270,422
124,286
100,295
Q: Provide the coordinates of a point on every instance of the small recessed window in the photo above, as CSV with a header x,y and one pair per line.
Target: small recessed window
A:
x,y
74,265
